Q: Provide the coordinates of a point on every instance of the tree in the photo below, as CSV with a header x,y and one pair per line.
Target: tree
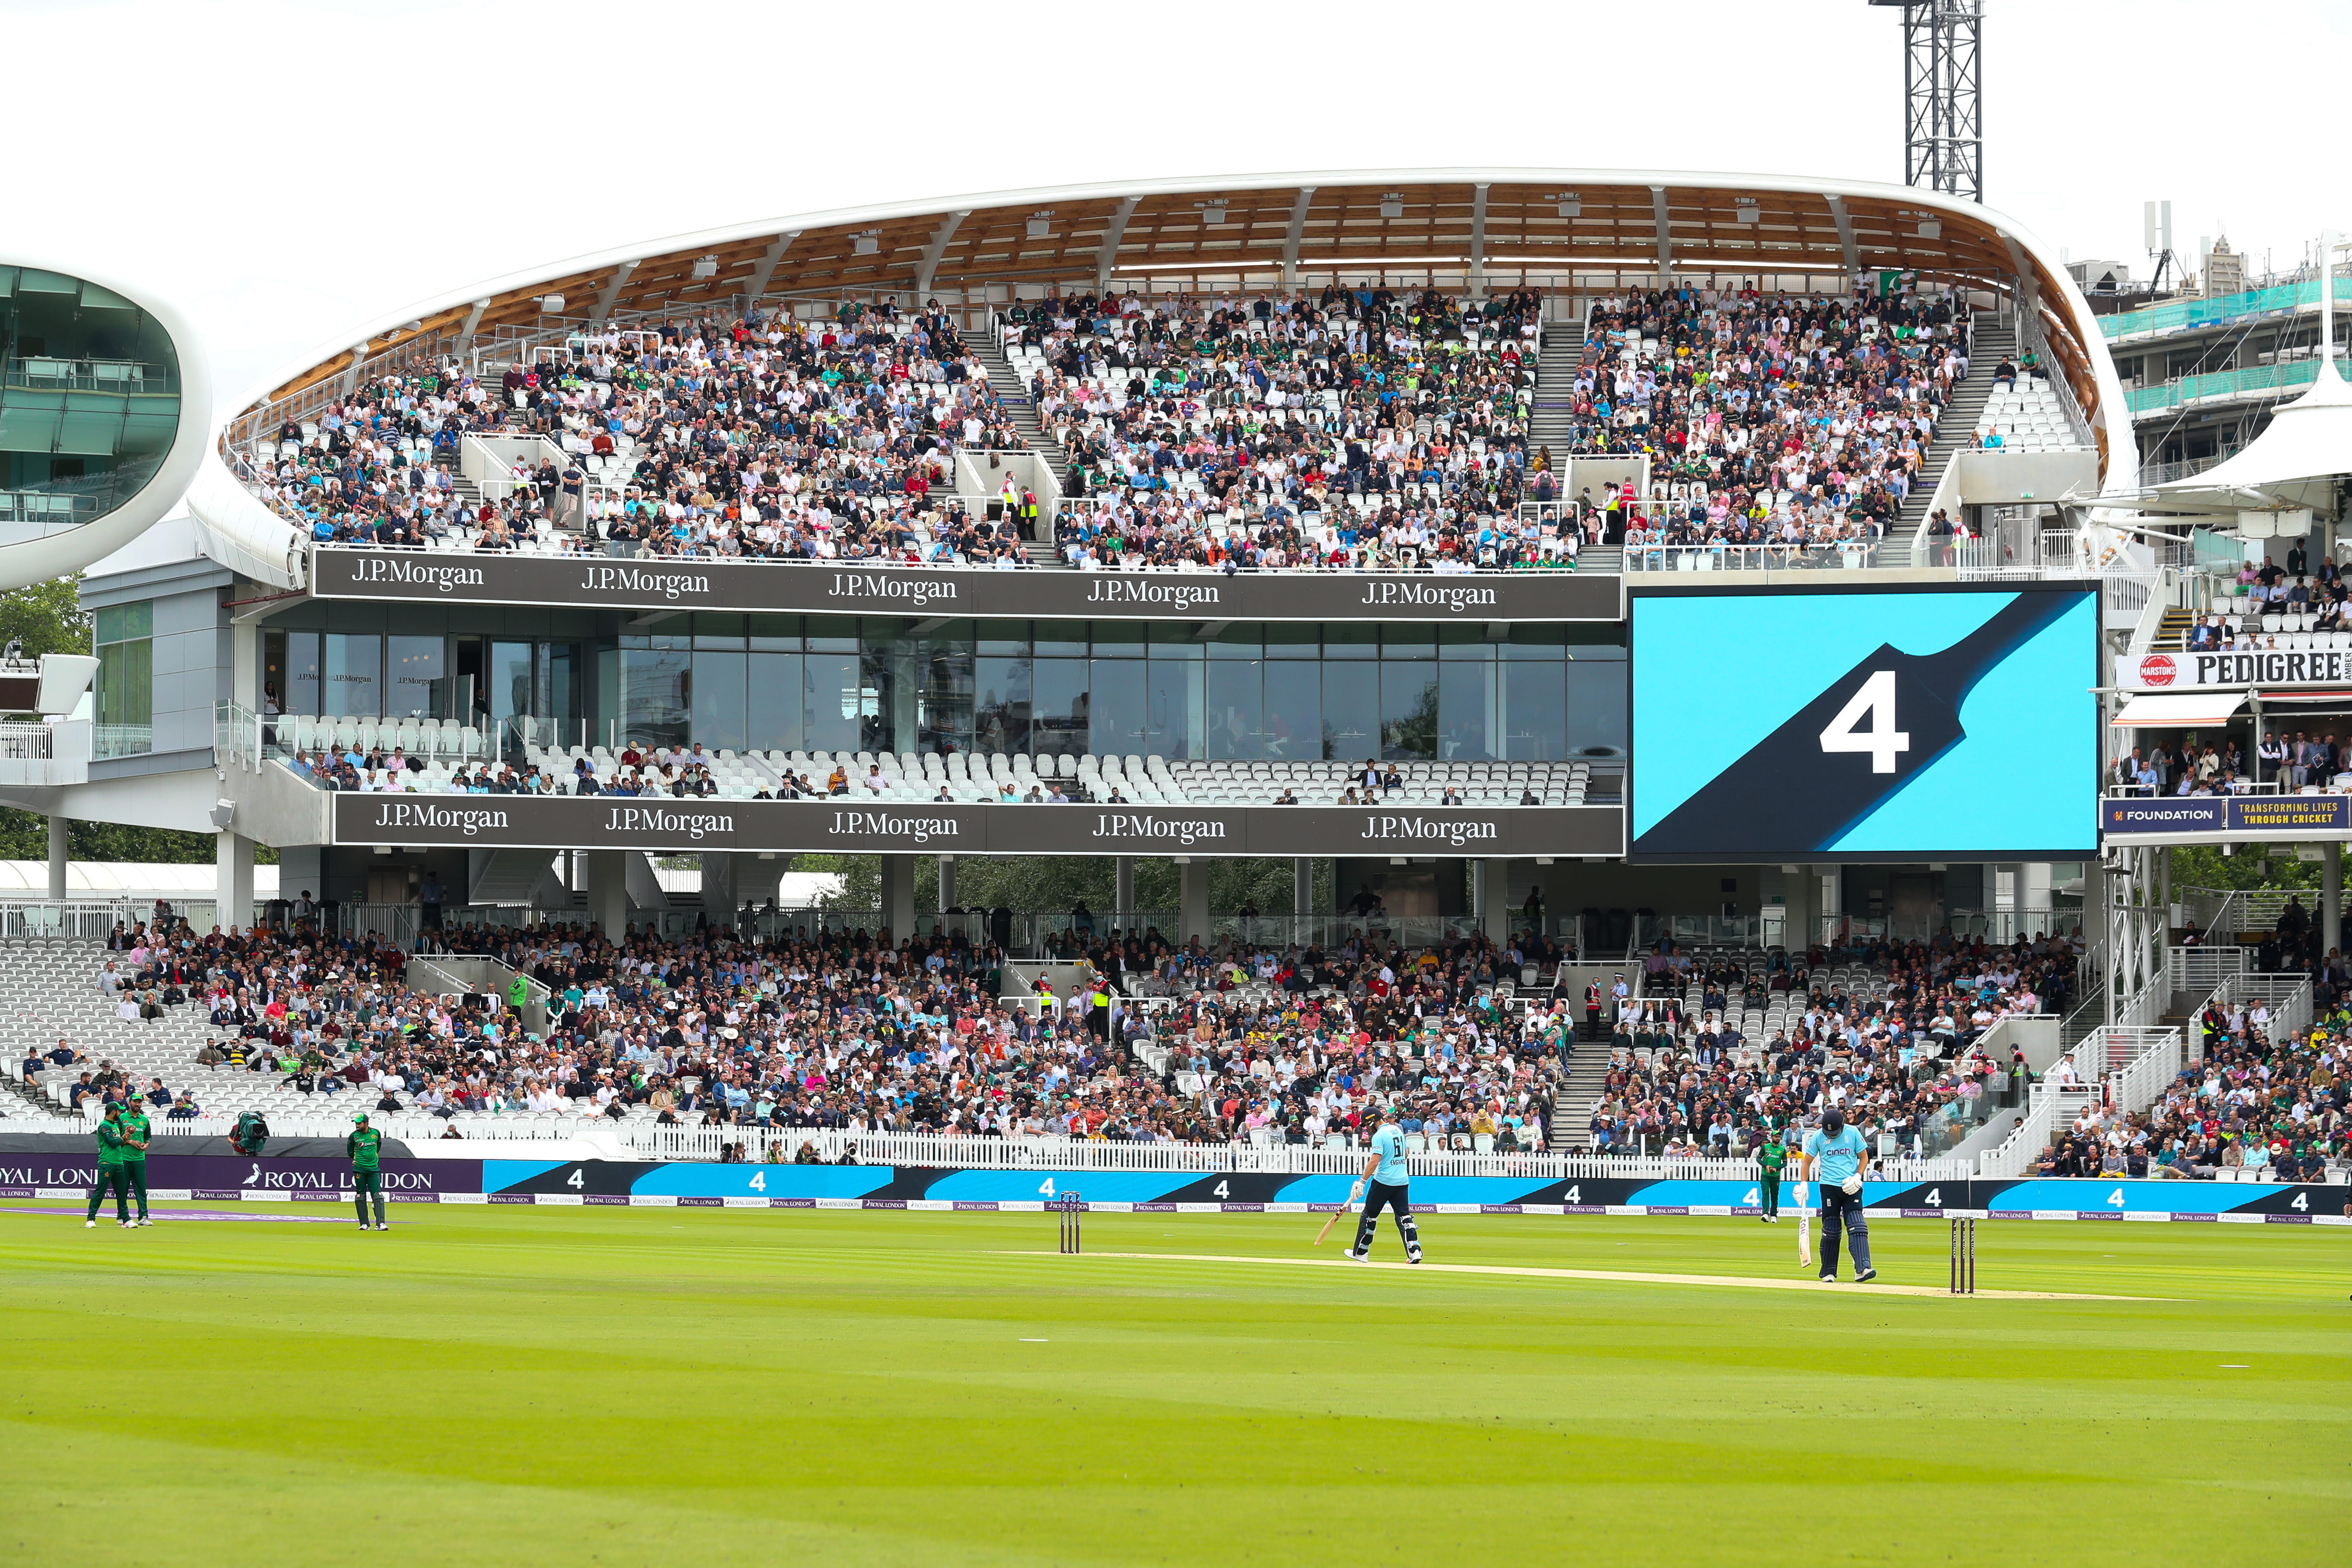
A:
x,y
2267,867
47,615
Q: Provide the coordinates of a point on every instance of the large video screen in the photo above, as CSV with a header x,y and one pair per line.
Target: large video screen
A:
x,y
1948,722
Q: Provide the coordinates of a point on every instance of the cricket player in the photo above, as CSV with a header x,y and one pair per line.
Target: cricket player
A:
x,y
110,1172
137,1134
1769,1160
1382,1186
1836,1158
367,1178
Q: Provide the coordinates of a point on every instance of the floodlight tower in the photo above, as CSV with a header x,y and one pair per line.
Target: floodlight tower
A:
x,y
1943,97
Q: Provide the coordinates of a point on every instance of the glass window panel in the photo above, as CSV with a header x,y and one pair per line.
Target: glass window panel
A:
x,y
719,631
1244,640
1351,711
416,664
1113,704
301,694
1596,707
772,715
1117,639
775,634
506,679
945,717
1409,642
559,666
656,696
1000,703
1236,709
719,691
1176,692
1351,639
121,623
1293,709
1294,639
832,633
1535,642
1534,716
836,701
355,676
1466,712
1061,639
1408,709
1008,639
1060,710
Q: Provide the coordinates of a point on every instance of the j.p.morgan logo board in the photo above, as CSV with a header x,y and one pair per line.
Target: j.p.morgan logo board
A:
x,y
655,584
592,822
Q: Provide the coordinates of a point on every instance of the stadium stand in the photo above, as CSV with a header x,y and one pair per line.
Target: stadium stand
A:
x,y
1715,1046
812,1032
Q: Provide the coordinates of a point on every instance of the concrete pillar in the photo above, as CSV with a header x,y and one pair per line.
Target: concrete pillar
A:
x,y
898,896
233,884
608,892
2331,896
59,827
946,883
1302,886
1494,901
1193,876
2034,897
719,899
1828,899
1123,894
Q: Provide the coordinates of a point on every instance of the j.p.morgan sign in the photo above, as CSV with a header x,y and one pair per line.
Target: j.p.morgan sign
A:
x,y
656,584
606,822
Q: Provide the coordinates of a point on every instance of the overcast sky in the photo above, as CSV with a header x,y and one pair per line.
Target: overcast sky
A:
x,y
284,170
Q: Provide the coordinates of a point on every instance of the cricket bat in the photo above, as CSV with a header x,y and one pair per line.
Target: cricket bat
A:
x,y
1804,1229
1334,1218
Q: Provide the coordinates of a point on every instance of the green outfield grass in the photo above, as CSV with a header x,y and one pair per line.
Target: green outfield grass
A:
x,y
645,1385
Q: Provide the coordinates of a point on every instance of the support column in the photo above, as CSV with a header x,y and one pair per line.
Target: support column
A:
x,y
1123,890
1494,901
233,882
1828,900
608,892
1194,879
59,827
946,883
898,896
1302,886
2033,898
719,899
2331,896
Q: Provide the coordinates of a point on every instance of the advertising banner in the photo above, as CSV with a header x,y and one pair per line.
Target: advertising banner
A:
x,y
2279,815
1795,726
691,1184
669,582
844,823
2178,671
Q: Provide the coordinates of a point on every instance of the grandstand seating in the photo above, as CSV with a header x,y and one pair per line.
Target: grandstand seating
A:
x,y
982,778
2030,419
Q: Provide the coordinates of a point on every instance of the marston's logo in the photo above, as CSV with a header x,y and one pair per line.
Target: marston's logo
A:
x,y
399,569
1180,829
1446,830
2157,670
909,588
636,582
406,813
1168,596
1455,596
661,819
921,830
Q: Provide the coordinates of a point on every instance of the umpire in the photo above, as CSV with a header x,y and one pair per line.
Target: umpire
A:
x,y
1383,1186
367,1176
1835,1157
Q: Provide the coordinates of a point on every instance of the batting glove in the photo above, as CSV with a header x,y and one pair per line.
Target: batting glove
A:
x,y
1852,1184
1356,1193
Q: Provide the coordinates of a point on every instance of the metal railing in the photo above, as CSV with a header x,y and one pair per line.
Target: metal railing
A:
x,y
2218,310
237,738
1842,555
2269,380
23,743
128,377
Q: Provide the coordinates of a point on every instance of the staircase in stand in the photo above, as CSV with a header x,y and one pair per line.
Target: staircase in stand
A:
x,y
1571,1111
1013,391
1956,427
1548,423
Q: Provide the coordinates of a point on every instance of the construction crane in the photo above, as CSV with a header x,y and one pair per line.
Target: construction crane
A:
x,y
1943,96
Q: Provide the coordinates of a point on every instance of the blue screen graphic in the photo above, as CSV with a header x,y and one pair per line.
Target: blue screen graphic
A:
x,y
1864,723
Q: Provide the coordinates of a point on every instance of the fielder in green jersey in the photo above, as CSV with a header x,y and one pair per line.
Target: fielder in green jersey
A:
x,y
137,1134
367,1177
110,1171
1769,1160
